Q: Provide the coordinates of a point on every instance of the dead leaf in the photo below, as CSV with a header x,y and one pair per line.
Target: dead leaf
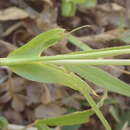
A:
x,y
11,91
18,102
49,2
51,110
71,102
46,96
34,91
13,116
12,13
52,93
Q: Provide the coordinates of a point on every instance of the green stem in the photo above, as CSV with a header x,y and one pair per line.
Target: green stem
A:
x,y
96,109
15,61
72,39
84,89
91,62
9,61
90,55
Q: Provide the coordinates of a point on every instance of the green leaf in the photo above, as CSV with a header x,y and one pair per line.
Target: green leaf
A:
x,y
45,73
68,8
35,47
53,74
99,53
101,78
68,119
78,43
114,112
49,73
42,127
124,118
90,3
77,1
41,72
3,123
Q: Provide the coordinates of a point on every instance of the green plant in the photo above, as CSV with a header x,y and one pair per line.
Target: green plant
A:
x,y
3,123
69,7
27,62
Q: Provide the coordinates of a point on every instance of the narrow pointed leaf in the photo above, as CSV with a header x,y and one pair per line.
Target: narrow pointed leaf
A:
x,y
38,44
42,127
68,119
48,73
44,73
97,53
101,78
72,39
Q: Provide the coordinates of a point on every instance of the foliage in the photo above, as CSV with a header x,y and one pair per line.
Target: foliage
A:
x,y
69,7
3,123
60,69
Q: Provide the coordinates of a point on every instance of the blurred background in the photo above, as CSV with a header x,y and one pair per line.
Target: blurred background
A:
x,y
23,101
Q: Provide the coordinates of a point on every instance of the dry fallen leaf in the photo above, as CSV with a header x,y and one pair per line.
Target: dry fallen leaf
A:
x,y
52,93
34,91
18,102
50,110
12,13
71,102
12,91
13,116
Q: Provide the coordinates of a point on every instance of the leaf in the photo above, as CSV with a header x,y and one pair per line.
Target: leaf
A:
x,y
44,73
99,53
48,73
90,3
41,72
68,119
53,74
124,117
12,14
101,78
3,123
46,111
72,39
68,8
42,127
114,112
77,1
35,47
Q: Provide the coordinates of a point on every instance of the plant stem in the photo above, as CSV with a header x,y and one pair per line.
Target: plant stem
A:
x,y
90,55
15,61
96,109
9,61
84,89
91,62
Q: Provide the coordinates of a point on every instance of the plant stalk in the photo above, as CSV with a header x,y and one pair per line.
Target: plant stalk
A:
x,y
91,62
9,61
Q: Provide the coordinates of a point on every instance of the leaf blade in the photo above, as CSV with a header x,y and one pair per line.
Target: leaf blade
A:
x,y
101,78
38,44
68,119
